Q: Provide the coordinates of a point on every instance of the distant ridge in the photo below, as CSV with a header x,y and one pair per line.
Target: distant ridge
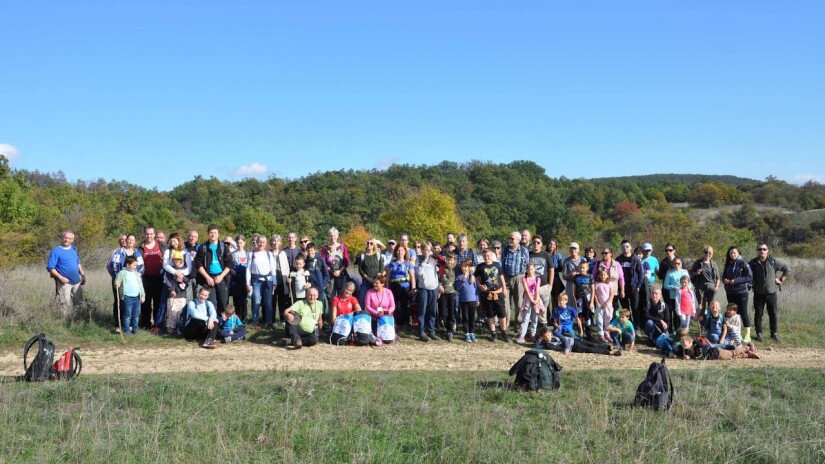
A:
x,y
687,178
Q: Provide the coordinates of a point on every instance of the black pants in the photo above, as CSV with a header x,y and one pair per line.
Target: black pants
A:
x,y
631,302
446,311
741,300
672,320
338,283
280,301
196,330
584,346
759,302
219,295
468,316
239,295
704,297
153,287
644,297
402,304
307,338
117,315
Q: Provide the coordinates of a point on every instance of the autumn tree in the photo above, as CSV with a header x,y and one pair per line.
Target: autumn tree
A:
x,y
428,214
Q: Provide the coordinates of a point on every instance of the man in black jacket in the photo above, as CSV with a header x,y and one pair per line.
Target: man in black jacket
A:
x,y
657,316
768,276
213,262
633,278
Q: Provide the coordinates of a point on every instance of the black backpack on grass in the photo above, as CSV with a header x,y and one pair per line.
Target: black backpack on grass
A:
x,y
656,391
536,370
38,370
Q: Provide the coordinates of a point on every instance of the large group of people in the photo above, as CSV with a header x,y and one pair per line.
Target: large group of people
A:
x,y
587,301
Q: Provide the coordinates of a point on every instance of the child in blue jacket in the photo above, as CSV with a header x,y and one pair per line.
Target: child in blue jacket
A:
x,y
231,326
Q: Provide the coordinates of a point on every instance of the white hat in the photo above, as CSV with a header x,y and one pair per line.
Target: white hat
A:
x,y
574,245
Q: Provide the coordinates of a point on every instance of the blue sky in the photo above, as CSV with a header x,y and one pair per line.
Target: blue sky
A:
x,y
158,92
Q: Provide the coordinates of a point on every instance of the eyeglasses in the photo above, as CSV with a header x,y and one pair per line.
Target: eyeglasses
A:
x,y
670,249
762,249
370,243
497,248
708,252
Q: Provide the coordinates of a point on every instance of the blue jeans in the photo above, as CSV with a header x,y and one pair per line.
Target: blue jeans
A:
x,y
261,294
714,338
362,292
427,304
240,333
652,330
131,314
621,339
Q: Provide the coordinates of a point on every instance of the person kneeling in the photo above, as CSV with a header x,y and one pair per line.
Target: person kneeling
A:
x,y
303,320
622,331
202,319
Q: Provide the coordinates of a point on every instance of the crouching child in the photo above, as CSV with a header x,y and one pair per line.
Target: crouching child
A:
x,y
231,326
622,331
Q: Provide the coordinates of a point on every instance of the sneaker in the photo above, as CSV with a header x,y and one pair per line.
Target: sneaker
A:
x,y
432,336
117,330
775,337
227,339
423,337
282,342
449,336
473,337
617,352
493,336
505,337
760,338
468,337
520,341
155,330
209,344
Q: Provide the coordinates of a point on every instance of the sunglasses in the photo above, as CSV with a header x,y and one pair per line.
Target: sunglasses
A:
x,y
497,248
670,249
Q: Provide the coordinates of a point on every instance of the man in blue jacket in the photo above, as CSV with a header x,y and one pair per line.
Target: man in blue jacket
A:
x,y
65,268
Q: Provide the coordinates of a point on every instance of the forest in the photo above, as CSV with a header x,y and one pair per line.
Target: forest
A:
x,y
481,198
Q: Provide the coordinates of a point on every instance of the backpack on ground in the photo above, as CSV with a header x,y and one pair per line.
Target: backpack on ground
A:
x,y
341,330
362,329
535,371
656,390
703,349
386,329
43,367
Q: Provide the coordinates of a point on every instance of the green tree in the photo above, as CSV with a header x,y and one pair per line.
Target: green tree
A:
x,y
428,214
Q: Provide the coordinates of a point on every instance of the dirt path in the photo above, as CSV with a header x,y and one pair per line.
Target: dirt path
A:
x,y
407,355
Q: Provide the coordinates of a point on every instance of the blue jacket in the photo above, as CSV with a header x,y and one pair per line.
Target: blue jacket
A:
x,y
467,291
318,272
118,258
741,274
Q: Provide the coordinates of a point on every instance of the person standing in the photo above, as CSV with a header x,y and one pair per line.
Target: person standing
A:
x,y
116,263
292,250
280,285
570,270
768,276
737,277
212,264
650,266
152,254
426,275
239,284
336,256
65,268
706,277
514,259
633,278
665,266
545,272
260,276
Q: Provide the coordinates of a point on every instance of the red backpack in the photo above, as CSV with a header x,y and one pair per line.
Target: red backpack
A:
x,y
67,366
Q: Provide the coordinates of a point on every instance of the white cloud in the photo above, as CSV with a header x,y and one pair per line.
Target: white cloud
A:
x,y
385,163
255,169
802,178
11,152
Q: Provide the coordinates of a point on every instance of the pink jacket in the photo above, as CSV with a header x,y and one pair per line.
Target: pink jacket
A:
x,y
612,271
384,299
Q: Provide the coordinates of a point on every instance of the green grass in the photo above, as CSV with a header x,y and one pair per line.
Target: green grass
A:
x,y
721,415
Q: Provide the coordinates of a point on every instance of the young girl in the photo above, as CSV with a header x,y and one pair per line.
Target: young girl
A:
x,y
465,286
685,303
531,304
177,284
604,303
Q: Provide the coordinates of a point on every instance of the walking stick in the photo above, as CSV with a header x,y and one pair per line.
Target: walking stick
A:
x,y
119,327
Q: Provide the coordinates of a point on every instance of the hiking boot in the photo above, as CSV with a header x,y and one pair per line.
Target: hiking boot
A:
x,y
227,339
423,337
209,344
493,336
505,337
432,336
297,343
775,337
449,336
759,338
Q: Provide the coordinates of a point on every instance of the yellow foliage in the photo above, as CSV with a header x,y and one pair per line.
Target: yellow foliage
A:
x,y
355,239
428,214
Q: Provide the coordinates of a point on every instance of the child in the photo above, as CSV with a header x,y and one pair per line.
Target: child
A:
x,y
531,304
621,331
563,317
231,326
583,292
130,286
732,329
318,277
177,284
446,299
604,302
713,323
465,286
685,303
299,280
568,344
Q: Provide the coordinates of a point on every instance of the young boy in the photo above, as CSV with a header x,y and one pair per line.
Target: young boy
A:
x,y
583,291
299,280
176,290
318,277
568,344
713,323
130,286
732,328
446,299
621,331
231,326
563,317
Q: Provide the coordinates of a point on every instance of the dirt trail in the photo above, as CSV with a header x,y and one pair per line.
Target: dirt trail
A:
x,y
407,355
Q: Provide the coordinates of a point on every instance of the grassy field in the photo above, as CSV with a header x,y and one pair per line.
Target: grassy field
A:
x,y
720,415
27,307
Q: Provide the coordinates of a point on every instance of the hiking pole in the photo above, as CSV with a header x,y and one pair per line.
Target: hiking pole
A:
x,y
119,327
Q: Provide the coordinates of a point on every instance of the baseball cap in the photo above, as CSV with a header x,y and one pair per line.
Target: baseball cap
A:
x,y
647,247
574,245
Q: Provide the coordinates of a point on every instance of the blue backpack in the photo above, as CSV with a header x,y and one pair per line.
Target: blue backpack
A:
x,y
362,329
341,330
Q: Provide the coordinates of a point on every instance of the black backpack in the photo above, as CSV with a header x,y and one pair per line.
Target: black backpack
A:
x,y
656,391
38,370
536,370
